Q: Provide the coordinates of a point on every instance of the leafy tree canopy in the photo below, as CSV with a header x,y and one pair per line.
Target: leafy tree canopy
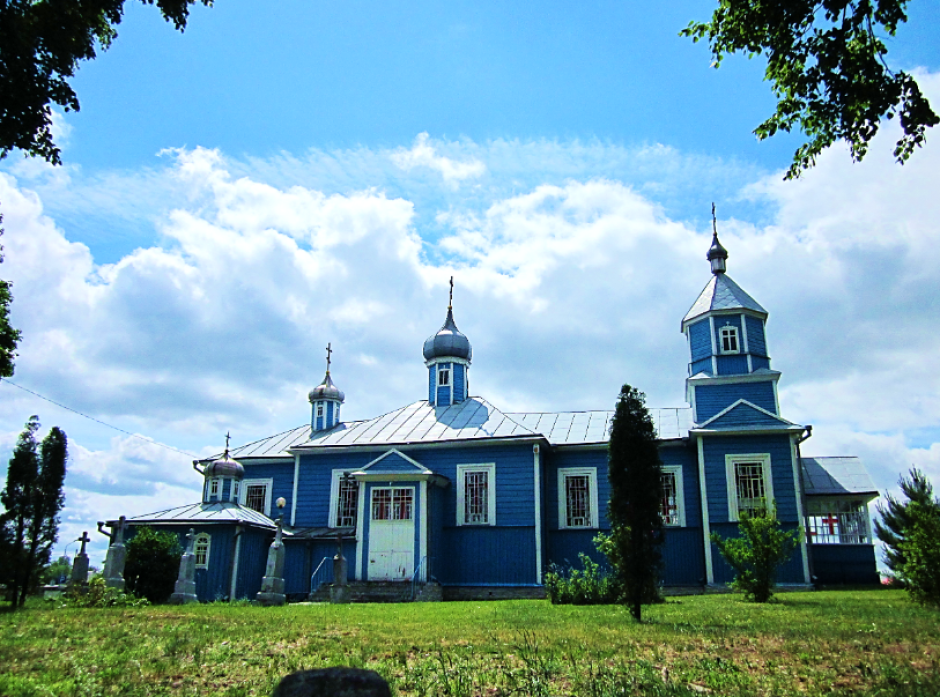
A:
x,y
9,336
826,64
153,561
41,43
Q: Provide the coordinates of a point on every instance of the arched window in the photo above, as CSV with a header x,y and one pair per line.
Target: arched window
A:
x,y
201,550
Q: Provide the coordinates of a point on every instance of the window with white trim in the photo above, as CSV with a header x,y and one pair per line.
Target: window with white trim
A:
x,y
672,507
201,550
750,487
577,497
344,498
443,377
214,487
476,494
729,339
235,486
393,504
256,495
837,522
319,409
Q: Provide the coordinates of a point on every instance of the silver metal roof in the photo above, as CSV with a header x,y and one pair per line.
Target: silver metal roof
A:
x,y
721,293
835,476
472,419
449,341
216,512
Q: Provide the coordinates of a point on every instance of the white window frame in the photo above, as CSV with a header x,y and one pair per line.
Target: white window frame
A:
x,y
334,497
462,471
215,488
731,462
732,332
443,377
196,540
236,486
563,474
676,470
268,484
321,411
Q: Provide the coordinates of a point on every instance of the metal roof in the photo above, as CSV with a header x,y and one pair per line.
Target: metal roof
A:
x,y
202,513
721,293
835,475
472,419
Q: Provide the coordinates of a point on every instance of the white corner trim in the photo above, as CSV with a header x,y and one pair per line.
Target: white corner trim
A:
x,y
395,451
360,531
753,406
293,498
800,514
706,525
423,524
537,480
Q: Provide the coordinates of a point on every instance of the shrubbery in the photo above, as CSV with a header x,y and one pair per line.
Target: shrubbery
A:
x,y
98,594
153,562
756,555
592,585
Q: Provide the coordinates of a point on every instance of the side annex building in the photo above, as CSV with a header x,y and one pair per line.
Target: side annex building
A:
x,y
452,493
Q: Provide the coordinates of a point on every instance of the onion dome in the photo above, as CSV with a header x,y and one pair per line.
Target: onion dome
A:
x,y
717,255
225,466
326,390
448,342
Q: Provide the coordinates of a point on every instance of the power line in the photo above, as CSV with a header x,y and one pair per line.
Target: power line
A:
x,y
98,421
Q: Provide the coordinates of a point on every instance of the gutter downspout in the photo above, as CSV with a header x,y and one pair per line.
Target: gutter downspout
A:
x,y
802,501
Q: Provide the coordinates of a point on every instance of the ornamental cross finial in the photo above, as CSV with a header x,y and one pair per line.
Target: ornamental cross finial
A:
x,y
714,221
329,352
450,301
228,437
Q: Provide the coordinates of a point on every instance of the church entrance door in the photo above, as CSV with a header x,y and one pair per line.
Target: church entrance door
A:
x,y
392,534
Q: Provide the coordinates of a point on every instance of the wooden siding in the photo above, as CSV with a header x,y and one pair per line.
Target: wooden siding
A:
x,y
460,382
732,365
683,557
481,556
393,463
844,564
702,366
781,466
758,362
744,415
756,344
700,345
253,558
432,383
711,399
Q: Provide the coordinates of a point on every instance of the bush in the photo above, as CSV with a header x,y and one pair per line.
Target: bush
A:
x,y
921,553
590,586
153,563
756,555
99,594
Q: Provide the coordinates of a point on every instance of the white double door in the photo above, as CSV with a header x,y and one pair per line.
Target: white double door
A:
x,y
391,533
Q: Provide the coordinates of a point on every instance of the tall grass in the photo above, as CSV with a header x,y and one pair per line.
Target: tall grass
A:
x,y
860,643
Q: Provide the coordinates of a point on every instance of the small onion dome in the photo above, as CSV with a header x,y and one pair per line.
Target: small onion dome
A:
x,y
717,255
448,342
225,466
326,390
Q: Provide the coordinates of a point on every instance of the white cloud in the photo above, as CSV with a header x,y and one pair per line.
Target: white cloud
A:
x,y
567,287
423,154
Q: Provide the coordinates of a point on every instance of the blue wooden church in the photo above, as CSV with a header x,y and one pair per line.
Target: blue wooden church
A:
x,y
452,493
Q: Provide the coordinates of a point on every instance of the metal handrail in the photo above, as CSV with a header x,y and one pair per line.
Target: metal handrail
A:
x,y
313,589
422,566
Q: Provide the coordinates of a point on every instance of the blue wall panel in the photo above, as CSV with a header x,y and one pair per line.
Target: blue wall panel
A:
x,y
432,383
700,345
683,557
844,564
756,344
495,556
702,366
758,362
732,365
744,415
460,382
711,399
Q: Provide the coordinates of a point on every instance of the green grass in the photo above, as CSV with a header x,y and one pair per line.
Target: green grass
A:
x,y
842,642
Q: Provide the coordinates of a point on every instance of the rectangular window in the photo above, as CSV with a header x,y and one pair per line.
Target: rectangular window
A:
x,y
837,522
750,487
729,340
577,497
392,504
235,485
347,501
256,495
319,409
443,377
672,509
476,494
213,487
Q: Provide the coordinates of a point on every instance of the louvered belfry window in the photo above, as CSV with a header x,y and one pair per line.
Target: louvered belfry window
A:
x,y
476,488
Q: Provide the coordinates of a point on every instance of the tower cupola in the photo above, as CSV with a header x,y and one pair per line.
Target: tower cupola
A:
x,y
325,400
223,478
447,354
717,255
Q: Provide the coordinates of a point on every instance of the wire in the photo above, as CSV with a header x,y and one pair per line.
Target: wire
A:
x,y
98,421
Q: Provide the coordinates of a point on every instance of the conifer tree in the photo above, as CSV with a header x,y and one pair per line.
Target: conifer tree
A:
x,y
32,499
635,474
896,516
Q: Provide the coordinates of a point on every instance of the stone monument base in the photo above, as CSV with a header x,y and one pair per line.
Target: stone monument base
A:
x,y
272,591
339,594
183,593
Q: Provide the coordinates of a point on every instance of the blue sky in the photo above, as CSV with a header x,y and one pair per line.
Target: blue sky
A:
x,y
283,175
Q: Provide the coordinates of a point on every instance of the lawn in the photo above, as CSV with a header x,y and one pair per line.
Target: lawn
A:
x,y
842,642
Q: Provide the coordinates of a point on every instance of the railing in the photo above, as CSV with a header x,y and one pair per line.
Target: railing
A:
x,y
420,575
318,578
